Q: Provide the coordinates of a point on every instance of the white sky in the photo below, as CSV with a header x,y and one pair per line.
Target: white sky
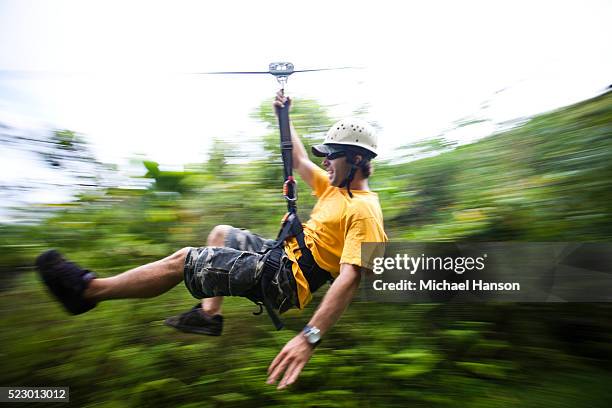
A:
x,y
427,64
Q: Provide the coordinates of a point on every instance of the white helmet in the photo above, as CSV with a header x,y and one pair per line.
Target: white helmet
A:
x,y
350,132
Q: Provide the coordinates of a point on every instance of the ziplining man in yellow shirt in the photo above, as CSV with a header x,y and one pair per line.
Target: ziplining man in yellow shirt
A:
x,y
237,262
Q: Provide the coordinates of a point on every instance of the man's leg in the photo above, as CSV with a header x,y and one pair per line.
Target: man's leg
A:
x,y
79,290
205,318
212,306
146,281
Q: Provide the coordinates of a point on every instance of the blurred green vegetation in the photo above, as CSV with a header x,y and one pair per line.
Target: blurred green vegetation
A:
x,y
549,179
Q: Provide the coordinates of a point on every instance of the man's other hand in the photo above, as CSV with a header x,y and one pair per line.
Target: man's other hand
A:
x,y
291,359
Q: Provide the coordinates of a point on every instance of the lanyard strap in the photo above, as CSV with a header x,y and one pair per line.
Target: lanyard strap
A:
x,y
289,186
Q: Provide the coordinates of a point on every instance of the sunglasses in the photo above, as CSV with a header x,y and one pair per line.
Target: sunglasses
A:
x,y
335,155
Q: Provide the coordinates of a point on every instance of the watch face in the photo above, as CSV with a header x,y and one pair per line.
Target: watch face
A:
x,y
313,335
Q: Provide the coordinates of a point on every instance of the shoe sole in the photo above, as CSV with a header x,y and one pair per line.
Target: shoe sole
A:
x,y
48,258
45,261
191,329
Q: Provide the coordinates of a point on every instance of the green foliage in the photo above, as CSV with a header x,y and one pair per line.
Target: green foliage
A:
x,y
549,179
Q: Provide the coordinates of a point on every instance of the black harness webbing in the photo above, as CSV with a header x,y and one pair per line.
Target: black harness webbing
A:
x,y
272,264
289,187
290,227
314,274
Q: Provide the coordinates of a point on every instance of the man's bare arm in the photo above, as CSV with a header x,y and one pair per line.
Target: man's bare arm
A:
x,y
296,353
337,298
301,162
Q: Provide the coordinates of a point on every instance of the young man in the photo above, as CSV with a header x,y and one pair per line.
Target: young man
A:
x,y
237,262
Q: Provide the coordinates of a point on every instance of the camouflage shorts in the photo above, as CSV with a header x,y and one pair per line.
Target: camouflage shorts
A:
x,y
235,270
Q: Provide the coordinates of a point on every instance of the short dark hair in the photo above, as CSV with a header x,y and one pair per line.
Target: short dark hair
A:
x,y
366,168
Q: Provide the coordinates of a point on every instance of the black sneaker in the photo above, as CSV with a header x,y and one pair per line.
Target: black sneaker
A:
x,y
66,280
197,321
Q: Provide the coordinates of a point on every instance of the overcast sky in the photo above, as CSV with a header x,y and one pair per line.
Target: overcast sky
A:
x,y
426,65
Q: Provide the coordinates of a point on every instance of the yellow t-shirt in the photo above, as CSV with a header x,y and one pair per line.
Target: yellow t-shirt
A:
x,y
337,226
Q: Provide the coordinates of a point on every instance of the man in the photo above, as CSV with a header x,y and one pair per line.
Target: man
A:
x,y
239,263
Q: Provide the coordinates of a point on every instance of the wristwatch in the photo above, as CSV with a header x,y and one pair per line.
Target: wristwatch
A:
x,y
312,335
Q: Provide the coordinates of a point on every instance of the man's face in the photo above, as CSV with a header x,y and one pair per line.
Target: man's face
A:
x,y
337,170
